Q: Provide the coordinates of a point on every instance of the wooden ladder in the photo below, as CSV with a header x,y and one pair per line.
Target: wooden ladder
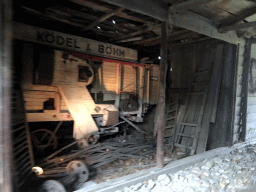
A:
x,y
22,150
170,123
188,129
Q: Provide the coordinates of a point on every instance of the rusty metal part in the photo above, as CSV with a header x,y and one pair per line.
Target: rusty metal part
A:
x,y
52,186
43,138
79,170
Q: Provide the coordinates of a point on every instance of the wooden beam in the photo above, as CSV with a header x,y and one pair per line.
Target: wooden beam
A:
x,y
152,8
142,30
54,116
204,26
160,117
6,49
103,18
215,81
105,9
249,12
130,40
182,7
237,27
158,38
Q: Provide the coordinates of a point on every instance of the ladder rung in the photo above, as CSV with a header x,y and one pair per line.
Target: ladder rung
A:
x,y
196,93
171,118
16,123
183,146
173,103
18,129
170,111
184,135
190,124
171,135
202,72
169,126
200,83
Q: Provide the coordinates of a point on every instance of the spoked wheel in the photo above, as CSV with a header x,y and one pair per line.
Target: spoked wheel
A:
x,y
52,186
44,138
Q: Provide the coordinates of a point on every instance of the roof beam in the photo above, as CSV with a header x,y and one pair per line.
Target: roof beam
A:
x,y
237,27
158,38
103,18
105,9
182,7
202,25
156,9
240,17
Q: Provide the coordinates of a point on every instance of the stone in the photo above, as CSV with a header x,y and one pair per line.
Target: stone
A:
x,y
189,189
205,183
151,184
137,187
217,160
161,177
221,170
213,181
208,165
165,181
157,187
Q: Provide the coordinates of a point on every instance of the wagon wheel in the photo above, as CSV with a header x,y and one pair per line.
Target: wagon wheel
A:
x,y
52,186
43,138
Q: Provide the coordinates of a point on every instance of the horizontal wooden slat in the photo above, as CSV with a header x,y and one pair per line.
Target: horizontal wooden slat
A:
x,y
37,117
190,124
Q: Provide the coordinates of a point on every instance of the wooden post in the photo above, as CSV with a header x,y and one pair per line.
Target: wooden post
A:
x,y
118,84
5,91
141,90
160,117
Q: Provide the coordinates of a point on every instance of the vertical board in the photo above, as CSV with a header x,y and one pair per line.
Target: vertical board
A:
x,y
109,77
154,84
128,79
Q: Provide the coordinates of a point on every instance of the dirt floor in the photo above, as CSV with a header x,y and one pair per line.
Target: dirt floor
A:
x,y
122,168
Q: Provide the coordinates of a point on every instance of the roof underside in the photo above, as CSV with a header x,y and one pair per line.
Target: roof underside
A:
x,y
99,20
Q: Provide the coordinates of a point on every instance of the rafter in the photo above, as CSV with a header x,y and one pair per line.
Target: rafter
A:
x,y
237,27
183,6
105,9
103,18
240,17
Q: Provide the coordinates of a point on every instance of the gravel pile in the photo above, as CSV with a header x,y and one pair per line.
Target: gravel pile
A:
x,y
229,173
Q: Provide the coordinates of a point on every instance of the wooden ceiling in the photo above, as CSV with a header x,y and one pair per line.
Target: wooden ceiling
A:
x,y
102,21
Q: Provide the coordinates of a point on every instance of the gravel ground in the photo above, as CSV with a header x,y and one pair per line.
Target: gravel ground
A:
x,y
227,173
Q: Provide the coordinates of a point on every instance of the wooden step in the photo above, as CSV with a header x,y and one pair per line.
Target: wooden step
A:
x,y
190,124
169,126
184,135
183,146
201,83
171,118
171,135
202,72
196,93
170,111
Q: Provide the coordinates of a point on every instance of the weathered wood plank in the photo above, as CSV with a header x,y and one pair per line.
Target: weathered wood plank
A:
x,y
160,118
215,80
40,117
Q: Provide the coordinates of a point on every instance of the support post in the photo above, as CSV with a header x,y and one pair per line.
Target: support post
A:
x,y
141,90
118,85
160,117
6,179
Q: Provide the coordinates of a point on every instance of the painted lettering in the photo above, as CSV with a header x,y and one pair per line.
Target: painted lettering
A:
x,y
121,53
101,49
40,36
60,40
115,51
49,38
108,50
69,42
88,48
76,44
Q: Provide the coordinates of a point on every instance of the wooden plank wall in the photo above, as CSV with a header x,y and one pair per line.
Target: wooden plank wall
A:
x,y
251,105
238,90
